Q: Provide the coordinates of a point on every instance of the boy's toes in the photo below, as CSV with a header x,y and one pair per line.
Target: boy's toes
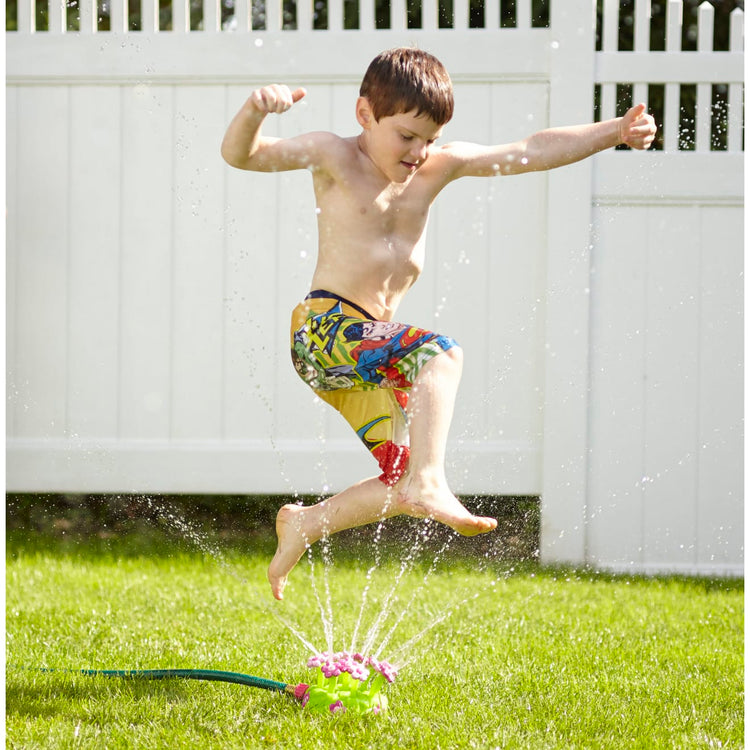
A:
x,y
277,586
474,525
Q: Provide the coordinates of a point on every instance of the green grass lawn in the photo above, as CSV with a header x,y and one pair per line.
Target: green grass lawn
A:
x,y
537,659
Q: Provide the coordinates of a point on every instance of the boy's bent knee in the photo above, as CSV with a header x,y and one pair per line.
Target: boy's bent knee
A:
x,y
448,359
455,354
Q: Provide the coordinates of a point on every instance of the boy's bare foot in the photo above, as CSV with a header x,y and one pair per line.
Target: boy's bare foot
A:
x,y
291,545
436,501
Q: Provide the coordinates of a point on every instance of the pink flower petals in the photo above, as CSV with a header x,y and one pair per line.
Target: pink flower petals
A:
x,y
337,707
347,682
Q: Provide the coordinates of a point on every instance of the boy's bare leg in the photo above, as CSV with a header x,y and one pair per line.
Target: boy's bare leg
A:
x,y
298,527
423,491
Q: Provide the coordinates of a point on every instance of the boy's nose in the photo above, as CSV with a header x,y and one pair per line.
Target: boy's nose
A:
x,y
420,152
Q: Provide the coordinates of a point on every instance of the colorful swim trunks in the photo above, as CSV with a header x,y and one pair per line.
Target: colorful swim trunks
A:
x,y
365,369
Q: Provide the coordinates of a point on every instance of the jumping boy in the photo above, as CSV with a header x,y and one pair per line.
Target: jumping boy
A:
x,y
394,384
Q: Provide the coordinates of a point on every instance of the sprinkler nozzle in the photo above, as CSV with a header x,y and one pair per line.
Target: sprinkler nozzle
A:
x,y
346,682
298,691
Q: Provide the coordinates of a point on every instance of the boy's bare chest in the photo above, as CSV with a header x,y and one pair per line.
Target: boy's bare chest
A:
x,y
394,211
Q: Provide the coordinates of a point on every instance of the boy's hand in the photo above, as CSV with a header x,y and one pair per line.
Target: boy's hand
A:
x,y
275,99
637,127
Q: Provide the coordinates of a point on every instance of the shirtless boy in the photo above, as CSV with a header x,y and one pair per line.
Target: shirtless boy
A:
x,y
395,384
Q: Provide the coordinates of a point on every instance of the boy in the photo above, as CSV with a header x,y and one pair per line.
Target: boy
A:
x,y
393,383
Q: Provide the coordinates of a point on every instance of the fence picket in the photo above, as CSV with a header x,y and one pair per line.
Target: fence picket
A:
x,y
273,15
523,14
118,16
305,15
211,15
703,92
642,43
642,26
429,15
335,15
242,16
734,126
398,15
610,24
672,90
491,14
150,16
181,16
58,20
367,15
87,16
26,16
461,13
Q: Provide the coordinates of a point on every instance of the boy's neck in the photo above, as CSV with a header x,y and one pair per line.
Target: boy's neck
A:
x,y
361,145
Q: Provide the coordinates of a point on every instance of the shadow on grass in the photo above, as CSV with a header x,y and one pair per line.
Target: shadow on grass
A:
x,y
137,525
38,693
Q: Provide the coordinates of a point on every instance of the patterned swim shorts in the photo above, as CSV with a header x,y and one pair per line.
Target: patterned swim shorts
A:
x,y
365,369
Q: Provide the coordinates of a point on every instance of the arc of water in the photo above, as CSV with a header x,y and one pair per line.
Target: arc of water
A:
x,y
325,619
198,538
422,633
294,631
384,610
386,607
191,533
326,552
368,578
412,598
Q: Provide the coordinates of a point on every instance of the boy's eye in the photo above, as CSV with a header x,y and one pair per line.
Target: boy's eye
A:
x,y
407,137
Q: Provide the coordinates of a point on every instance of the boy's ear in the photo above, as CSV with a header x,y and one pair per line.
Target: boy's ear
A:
x,y
364,113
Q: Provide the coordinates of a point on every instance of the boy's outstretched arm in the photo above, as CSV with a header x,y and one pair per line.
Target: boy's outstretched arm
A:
x,y
245,147
556,147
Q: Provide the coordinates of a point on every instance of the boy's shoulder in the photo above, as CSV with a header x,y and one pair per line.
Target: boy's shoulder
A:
x,y
327,151
327,140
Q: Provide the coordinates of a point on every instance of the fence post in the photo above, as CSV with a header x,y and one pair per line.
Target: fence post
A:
x,y
565,464
734,135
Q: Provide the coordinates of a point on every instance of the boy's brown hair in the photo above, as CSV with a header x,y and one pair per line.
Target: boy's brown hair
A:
x,y
406,79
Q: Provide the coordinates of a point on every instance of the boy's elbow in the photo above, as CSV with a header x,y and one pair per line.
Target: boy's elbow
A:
x,y
231,157
226,154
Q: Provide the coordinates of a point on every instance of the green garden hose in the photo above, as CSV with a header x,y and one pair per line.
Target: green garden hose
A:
x,y
192,674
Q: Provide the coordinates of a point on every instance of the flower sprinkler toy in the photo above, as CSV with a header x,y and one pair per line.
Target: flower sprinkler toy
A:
x,y
347,683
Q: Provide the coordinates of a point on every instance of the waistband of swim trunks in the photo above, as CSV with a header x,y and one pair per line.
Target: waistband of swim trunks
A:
x,y
324,294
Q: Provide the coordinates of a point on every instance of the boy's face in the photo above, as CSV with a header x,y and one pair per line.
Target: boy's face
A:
x,y
398,144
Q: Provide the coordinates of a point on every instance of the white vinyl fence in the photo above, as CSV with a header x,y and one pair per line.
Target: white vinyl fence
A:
x,y
149,285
